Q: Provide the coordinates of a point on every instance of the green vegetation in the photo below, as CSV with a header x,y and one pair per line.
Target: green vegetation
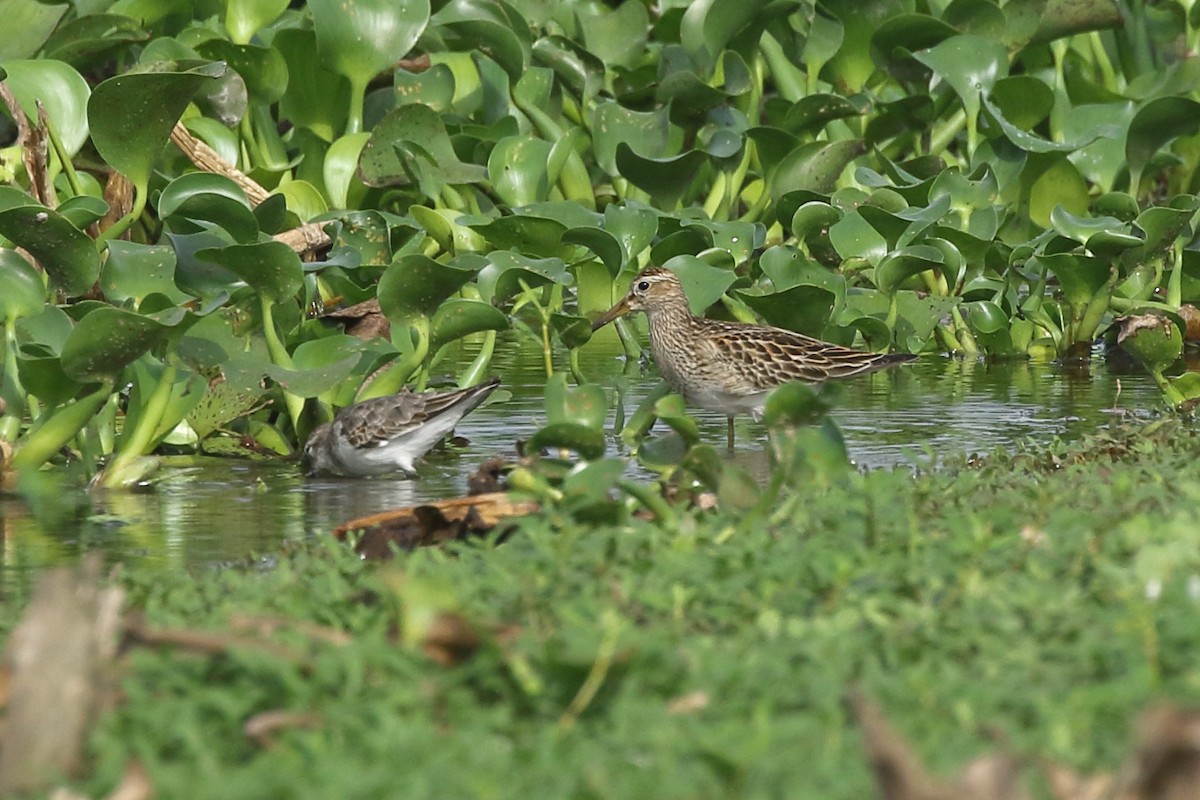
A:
x,y
997,180
1049,594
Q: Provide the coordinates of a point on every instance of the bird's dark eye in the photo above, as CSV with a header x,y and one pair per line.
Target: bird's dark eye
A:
x,y
643,286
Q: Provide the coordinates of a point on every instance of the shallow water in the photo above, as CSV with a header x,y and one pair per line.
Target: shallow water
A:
x,y
216,511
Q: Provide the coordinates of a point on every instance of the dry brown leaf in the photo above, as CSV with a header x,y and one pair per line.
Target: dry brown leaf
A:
x,y
688,703
261,728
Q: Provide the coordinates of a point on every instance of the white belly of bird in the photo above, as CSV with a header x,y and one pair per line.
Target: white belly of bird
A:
x,y
397,453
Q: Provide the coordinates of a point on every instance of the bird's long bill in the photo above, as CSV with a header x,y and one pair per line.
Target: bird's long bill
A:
x,y
619,310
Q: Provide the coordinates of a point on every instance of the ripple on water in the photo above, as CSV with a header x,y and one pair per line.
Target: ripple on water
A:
x,y
221,511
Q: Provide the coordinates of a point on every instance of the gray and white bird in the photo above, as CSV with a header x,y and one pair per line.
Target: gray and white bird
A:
x,y
386,434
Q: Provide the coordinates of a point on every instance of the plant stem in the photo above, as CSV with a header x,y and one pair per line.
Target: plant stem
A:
x,y
39,446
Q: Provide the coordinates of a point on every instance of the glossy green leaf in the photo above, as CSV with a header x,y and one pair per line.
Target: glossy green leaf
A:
x,y
584,405
272,269
803,308
61,90
901,264
587,441
364,38
616,36
66,253
665,179
458,317
208,198
517,169
815,166
315,98
22,290
244,18
647,133
1079,276
971,65
416,285
506,271
34,21
1154,125
421,128
131,271
107,340
131,115
704,284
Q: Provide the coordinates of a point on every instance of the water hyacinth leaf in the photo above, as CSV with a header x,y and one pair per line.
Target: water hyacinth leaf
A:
x,y
815,166
1080,228
671,410
585,405
131,115
852,237
22,291
1103,160
315,98
893,43
812,113
362,238
83,210
771,144
415,285
62,91
506,271
244,18
602,243
66,253
486,26
633,226
459,317
313,381
578,69
905,262
795,404
132,271
646,132
207,197
362,39
813,217
585,440
107,340
42,376
47,328
263,70
785,266
616,36
421,129
573,331
986,317
709,25
1080,277
663,453
35,20
526,233
971,65
272,269
803,308
665,179
703,283
517,169
1154,125
737,238
853,25
1059,185
1023,100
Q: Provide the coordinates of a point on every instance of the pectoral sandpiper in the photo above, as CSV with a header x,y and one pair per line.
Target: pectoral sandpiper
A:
x,y
730,367
386,434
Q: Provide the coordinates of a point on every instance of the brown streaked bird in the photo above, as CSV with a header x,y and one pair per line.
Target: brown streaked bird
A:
x,y
387,434
730,367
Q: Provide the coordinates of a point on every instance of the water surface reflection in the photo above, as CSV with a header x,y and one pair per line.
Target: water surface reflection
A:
x,y
217,511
